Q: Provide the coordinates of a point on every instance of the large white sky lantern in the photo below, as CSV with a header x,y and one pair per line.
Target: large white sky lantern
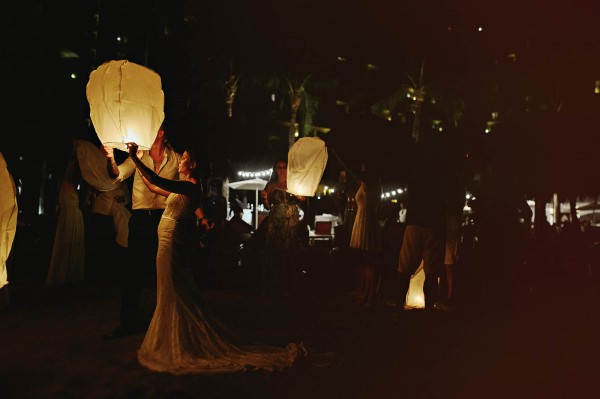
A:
x,y
8,217
126,103
306,162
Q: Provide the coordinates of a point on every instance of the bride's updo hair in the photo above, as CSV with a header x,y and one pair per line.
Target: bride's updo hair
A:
x,y
194,154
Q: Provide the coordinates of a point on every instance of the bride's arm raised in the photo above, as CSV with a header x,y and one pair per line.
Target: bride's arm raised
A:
x,y
154,188
170,186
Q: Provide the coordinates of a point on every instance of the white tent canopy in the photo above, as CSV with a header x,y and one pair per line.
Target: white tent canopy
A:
x,y
255,184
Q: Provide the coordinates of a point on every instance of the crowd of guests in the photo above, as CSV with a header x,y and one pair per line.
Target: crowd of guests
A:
x,y
145,213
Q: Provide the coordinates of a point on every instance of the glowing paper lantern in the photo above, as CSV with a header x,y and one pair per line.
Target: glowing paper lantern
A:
x,y
415,298
306,162
126,104
8,217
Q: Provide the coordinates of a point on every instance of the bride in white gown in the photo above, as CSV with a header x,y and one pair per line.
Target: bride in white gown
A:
x,y
183,337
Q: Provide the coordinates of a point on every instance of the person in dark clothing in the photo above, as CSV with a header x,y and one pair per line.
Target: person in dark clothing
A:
x,y
147,209
424,236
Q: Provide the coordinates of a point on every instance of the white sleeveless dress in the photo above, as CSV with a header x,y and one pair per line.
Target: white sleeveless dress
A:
x,y
183,337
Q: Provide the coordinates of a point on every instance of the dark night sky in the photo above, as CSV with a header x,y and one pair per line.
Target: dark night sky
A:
x,y
557,46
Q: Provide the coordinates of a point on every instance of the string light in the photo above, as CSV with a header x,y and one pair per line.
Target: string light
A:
x,y
393,193
261,173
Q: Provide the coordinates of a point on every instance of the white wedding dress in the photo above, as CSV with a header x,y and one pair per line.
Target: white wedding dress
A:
x,y
183,338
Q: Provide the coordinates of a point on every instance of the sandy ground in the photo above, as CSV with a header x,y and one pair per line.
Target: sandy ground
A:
x,y
52,346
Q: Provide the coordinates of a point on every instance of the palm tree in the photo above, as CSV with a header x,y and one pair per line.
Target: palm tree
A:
x,y
446,103
231,86
296,93
417,90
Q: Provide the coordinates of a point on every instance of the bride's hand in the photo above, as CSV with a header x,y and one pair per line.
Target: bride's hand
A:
x,y
133,149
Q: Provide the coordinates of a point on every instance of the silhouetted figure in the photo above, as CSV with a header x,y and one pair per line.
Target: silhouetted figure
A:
x,y
455,203
502,236
68,252
425,222
282,235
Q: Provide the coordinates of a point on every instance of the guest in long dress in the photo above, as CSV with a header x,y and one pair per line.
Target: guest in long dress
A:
x,y
282,233
183,337
68,253
366,237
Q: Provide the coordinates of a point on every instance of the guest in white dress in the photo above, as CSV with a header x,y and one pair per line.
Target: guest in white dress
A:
x,y
68,253
366,237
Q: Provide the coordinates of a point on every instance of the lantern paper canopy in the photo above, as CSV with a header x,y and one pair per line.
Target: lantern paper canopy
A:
x,y
8,217
306,162
126,104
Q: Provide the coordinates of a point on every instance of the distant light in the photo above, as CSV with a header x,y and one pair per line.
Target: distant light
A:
x,y
393,192
494,115
21,157
597,88
449,29
296,134
440,129
266,172
468,196
487,130
480,29
400,191
273,97
73,75
119,38
341,59
332,190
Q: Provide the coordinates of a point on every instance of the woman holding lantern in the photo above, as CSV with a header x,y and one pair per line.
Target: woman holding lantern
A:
x,y
282,232
183,338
